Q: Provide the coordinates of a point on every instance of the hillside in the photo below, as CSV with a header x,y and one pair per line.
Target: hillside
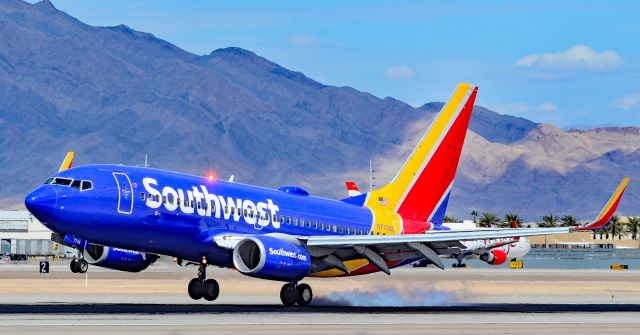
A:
x,y
113,94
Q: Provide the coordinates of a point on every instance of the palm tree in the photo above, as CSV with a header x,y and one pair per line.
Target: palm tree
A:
x,y
488,220
633,226
450,219
474,213
511,217
568,221
615,227
549,221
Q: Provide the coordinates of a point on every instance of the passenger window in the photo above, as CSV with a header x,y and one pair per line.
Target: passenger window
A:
x,y
301,221
288,220
281,218
328,227
295,222
226,210
335,228
164,199
315,224
142,196
348,230
341,229
213,208
275,218
308,224
233,210
321,225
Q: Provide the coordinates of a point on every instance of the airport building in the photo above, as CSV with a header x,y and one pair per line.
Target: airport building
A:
x,y
22,234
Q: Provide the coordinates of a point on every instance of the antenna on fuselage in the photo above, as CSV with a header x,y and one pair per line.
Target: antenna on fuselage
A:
x,y
146,162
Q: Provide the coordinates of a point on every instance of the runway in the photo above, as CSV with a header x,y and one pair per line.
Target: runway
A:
x,y
411,301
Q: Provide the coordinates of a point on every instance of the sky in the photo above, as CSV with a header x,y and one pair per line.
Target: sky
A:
x,y
569,63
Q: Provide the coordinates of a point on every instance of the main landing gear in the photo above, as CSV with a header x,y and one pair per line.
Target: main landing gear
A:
x,y
201,287
79,265
294,293
459,263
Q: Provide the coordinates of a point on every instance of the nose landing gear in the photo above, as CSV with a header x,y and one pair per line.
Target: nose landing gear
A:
x,y
293,293
201,287
79,265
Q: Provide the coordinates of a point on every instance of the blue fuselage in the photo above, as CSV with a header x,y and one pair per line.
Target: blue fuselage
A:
x,y
178,215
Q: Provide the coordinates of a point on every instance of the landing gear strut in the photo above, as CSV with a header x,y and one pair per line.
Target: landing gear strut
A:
x,y
201,287
293,293
79,265
459,264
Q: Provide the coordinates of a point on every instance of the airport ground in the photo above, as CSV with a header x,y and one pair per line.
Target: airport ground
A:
x,y
411,301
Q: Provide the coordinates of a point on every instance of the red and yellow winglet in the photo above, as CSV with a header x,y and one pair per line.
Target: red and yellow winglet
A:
x,y
609,209
66,163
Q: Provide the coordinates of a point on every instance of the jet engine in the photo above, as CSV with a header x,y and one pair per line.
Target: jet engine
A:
x,y
118,259
272,258
494,257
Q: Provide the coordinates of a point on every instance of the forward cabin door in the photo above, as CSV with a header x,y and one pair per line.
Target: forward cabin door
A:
x,y
125,193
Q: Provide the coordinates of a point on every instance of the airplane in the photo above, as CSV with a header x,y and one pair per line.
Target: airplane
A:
x,y
497,251
280,234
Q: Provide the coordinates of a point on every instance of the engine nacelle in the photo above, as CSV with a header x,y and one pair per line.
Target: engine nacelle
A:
x,y
272,258
118,259
494,257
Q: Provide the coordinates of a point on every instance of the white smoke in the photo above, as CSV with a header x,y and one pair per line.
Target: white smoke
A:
x,y
391,297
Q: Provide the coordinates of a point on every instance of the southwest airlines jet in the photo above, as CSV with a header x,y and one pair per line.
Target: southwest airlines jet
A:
x,y
123,217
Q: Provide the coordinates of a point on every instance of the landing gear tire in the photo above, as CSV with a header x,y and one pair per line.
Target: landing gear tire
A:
x,y
195,289
79,265
304,294
82,265
73,265
210,290
288,294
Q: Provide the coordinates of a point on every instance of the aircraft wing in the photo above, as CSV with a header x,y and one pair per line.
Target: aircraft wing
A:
x,y
429,237
380,249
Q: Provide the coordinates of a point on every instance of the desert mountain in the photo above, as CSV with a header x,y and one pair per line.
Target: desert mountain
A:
x,y
113,94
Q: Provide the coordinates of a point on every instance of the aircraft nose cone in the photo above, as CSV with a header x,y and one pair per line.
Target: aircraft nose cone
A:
x,y
42,201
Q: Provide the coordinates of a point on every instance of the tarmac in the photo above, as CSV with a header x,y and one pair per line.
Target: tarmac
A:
x,y
410,301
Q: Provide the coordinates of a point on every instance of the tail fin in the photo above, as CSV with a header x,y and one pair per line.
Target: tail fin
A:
x,y
66,163
352,189
421,188
609,209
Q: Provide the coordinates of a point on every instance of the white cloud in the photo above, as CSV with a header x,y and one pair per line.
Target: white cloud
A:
x,y
628,102
401,72
544,112
303,40
547,107
578,57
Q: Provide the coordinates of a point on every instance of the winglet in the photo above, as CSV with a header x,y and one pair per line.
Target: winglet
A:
x,y
352,189
66,163
609,209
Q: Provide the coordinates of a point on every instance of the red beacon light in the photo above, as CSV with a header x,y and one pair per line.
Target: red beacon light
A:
x,y
211,176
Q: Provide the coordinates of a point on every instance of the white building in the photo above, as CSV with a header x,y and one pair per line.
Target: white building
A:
x,y
21,233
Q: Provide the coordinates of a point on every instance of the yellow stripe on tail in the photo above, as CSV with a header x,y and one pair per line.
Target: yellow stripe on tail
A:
x,y
66,163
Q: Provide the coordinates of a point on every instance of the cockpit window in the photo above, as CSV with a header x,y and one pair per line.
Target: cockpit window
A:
x,y
87,185
75,184
48,181
61,181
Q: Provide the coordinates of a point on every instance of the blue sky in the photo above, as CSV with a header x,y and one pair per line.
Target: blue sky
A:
x,y
572,63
